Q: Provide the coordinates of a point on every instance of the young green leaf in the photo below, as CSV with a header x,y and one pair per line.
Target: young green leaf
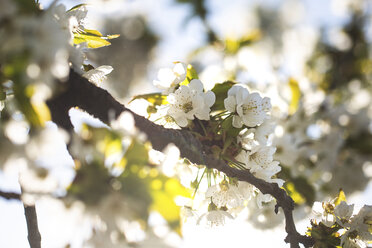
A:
x,y
76,7
296,95
190,75
155,99
220,91
340,198
93,38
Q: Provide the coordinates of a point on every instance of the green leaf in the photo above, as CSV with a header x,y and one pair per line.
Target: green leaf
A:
x,y
136,189
136,154
91,183
112,146
220,91
93,38
298,188
77,7
324,236
292,192
164,190
92,32
305,189
190,75
24,102
27,7
112,36
296,95
2,94
229,129
232,46
340,198
88,67
155,99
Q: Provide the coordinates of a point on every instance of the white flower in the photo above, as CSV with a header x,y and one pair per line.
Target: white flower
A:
x,y
97,75
168,78
251,108
362,222
263,132
225,195
125,124
187,213
263,198
162,117
246,190
346,242
76,18
215,217
343,212
189,101
72,20
328,219
260,162
246,138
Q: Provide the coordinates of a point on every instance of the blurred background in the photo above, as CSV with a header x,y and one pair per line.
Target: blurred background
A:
x,y
312,57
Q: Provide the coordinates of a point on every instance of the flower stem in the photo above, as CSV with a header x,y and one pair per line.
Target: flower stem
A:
x,y
197,186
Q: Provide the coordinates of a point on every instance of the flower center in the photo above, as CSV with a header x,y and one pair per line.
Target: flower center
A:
x,y
187,107
168,119
247,108
253,156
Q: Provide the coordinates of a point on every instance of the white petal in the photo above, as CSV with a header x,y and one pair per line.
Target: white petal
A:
x,y
230,104
106,69
183,92
165,78
254,98
239,109
196,85
278,181
190,115
171,98
252,119
240,92
209,98
198,102
212,190
181,121
179,70
266,104
203,114
237,121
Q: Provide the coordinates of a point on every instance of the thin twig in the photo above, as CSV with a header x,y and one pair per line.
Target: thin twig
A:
x,y
10,195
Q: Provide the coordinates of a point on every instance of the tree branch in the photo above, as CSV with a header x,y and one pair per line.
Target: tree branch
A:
x,y
79,92
10,195
34,237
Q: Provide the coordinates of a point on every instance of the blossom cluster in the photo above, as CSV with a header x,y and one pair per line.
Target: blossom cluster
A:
x,y
185,102
355,229
248,136
249,109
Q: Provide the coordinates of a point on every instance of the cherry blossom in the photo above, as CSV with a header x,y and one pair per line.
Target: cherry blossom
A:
x,y
250,108
189,101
